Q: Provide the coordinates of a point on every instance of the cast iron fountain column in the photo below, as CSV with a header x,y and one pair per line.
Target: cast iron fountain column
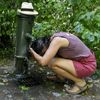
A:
x,y
23,40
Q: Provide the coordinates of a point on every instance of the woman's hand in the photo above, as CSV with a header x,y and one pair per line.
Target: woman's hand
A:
x,y
32,52
36,56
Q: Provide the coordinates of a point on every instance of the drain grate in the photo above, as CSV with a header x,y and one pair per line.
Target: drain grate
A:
x,y
29,81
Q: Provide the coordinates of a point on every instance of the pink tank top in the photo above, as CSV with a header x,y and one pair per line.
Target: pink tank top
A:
x,y
76,48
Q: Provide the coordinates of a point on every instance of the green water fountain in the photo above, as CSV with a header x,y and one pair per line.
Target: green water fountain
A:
x,y
25,20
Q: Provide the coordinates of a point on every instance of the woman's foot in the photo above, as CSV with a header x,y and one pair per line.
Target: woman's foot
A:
x,y
78,87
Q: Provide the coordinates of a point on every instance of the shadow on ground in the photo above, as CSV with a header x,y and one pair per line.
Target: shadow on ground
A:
x,y
46,90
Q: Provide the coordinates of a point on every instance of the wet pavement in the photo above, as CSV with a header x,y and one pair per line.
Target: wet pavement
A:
x,y
45,90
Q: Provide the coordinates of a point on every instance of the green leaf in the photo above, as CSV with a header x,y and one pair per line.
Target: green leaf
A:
x,y
78,27
24,88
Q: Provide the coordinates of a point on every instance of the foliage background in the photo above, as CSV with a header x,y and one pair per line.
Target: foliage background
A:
x,y
80,17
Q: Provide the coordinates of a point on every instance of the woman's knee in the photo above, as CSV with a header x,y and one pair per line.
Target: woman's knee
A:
x,y
53,62
54,68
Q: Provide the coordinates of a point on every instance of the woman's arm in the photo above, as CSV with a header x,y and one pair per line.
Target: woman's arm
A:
x,y
55,44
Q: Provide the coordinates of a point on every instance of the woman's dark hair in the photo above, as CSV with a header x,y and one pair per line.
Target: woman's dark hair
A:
x,y
39,44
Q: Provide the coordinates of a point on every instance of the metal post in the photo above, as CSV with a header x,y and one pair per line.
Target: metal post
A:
x,y
23,39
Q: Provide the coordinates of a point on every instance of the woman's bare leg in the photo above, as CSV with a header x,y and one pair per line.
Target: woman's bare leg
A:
x,y
66,65
65,68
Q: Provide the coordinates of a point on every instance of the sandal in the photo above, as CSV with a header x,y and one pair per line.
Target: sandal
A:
x,y
52,77
81,89
55,79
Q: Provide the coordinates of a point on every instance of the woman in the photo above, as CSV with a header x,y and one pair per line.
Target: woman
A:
x,y
67,56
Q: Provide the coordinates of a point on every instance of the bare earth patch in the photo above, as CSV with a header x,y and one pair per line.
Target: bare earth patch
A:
x,y
46,90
